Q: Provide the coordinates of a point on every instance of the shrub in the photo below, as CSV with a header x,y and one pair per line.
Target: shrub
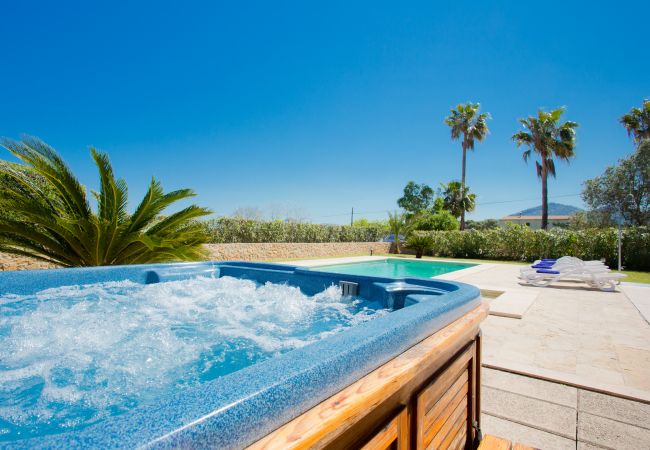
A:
x,y
519,243
238,230
420,242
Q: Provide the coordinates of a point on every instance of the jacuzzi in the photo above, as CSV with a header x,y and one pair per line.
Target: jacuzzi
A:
x,y
402,357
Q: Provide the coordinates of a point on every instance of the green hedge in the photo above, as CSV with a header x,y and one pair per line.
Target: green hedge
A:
x,y
519,243
233,230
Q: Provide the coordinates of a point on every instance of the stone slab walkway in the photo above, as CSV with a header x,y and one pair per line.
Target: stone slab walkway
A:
x,y
572,334
640,297
554,416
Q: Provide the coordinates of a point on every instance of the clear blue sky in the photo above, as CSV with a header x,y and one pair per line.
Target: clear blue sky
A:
x,y
320,106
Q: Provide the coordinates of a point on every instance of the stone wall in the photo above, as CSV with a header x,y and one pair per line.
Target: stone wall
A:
x,y
15,262
246,252
280,250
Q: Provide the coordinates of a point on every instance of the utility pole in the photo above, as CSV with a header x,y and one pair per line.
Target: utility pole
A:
x,y
352,217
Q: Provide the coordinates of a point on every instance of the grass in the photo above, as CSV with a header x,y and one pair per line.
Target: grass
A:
x,y
637,277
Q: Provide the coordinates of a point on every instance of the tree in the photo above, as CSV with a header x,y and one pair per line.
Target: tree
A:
x,y
457,198
623,190
397,225
416,198
637,122
549,139
51,218
440,221
591,219
465,120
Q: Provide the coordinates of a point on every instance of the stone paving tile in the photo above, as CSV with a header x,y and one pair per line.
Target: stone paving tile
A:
x,y
597,374
640,296
531,387
561,360
628,411
543,415
611,433
524,434
636,380
585,446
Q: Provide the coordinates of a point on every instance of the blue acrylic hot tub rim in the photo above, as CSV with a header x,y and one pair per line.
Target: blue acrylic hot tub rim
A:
x,y
236,410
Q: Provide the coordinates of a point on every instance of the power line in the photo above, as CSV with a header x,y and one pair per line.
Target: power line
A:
x,y
527,199
361,213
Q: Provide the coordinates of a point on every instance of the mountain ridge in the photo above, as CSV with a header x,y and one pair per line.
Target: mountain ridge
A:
x,y
554,209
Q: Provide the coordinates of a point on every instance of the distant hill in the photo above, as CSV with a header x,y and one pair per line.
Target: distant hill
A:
x,y
554,209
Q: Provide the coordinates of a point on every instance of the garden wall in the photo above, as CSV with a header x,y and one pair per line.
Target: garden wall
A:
x,y
247,252
14,262
283,250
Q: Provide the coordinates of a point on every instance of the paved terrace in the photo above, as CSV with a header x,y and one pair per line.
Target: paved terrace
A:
x,y
570,333
572,372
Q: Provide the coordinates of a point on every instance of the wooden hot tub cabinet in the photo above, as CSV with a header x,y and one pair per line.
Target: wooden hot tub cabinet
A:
x,y
426,398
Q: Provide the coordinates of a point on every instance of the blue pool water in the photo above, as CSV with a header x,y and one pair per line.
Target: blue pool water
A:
x,y
195,355
393,267
74,355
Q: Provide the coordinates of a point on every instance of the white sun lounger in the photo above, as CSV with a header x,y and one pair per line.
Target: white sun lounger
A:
x,y
566,262
600,278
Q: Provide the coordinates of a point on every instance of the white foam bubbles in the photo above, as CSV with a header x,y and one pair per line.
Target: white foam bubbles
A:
x,y
75,354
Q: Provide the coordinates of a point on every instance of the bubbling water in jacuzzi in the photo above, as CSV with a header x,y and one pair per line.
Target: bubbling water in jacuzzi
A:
x,y
73,355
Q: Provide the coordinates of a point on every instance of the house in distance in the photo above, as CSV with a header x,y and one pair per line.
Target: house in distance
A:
x,y
559,215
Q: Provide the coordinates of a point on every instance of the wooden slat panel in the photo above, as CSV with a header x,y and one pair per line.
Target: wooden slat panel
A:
x,y
435,422
458,442
461,385
431,401
384,438
460,425
430,395
450,422
404,430
394,433
475,388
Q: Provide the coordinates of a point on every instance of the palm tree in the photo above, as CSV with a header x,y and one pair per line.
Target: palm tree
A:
x,y
421,243
397,225
457,198
465,120
549,139
51,218
637,122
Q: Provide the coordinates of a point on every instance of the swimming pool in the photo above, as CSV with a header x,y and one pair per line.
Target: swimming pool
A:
x,y
199,354
394,267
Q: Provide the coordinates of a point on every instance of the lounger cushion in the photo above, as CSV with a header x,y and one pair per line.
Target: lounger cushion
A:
x,y
553,272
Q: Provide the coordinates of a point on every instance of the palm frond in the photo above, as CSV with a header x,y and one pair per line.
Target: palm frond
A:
x,y
46,214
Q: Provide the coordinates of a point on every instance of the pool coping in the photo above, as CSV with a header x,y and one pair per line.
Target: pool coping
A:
x,y
363,259
511,303
218,413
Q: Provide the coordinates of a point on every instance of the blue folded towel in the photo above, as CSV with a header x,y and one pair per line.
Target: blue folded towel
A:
x,y
553,272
